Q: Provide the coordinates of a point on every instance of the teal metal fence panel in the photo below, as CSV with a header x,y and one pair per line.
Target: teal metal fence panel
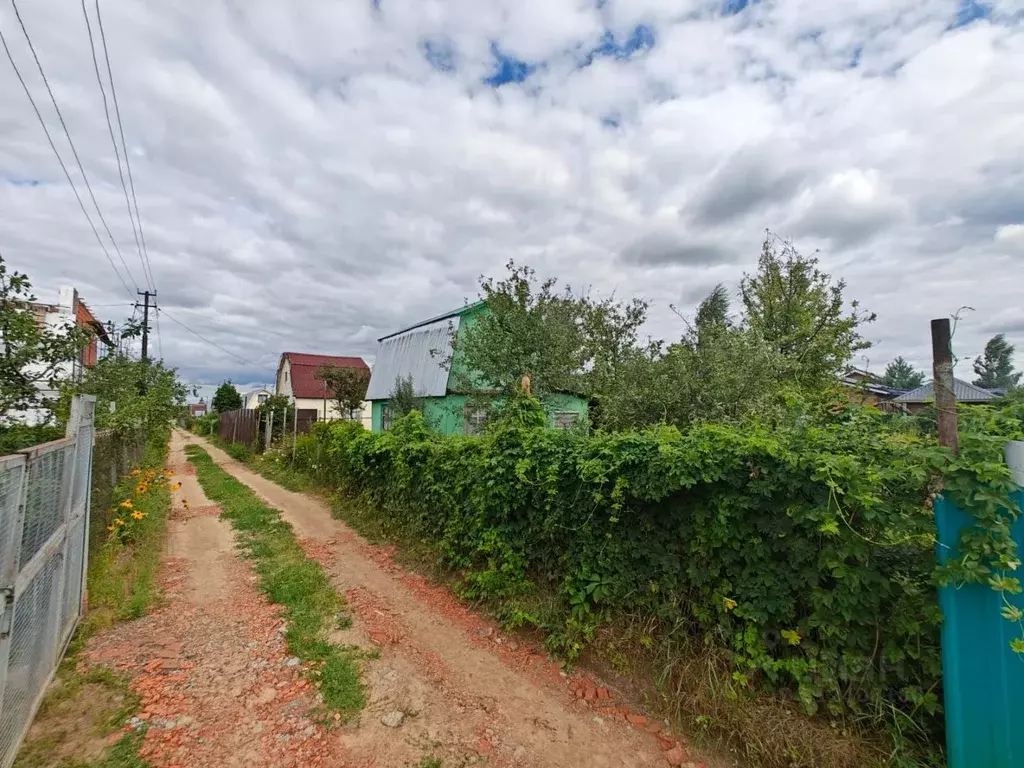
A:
x,y
983,680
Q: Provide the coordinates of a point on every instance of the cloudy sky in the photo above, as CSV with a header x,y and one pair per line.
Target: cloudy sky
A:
x,y
314,174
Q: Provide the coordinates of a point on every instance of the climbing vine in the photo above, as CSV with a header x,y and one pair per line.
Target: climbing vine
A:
x,y
805,546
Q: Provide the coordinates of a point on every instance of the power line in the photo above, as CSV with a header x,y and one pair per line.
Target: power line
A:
x,y
113,141
67,133
124,146
63,167
212,343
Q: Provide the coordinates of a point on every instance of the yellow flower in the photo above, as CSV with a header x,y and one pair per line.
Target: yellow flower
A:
x,y
136,515
110,527
729,603
136,472
176,487
127,503
119,521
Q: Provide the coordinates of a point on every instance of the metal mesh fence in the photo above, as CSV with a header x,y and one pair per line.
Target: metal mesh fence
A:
x,y
44,523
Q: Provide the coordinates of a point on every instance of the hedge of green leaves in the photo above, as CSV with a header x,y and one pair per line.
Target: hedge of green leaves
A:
x,y
806,548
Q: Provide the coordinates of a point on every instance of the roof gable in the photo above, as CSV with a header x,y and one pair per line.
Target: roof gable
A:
x,y
417,353
304,381
964,392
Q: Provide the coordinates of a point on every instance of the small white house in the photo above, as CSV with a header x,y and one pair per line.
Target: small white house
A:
x,y
297,379
253,400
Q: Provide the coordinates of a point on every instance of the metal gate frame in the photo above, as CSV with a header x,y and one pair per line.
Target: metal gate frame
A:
x,y
44,534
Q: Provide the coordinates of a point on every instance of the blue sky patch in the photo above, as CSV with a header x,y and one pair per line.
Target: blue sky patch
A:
x,y
440,54
970,11
640,40
732,7
507,68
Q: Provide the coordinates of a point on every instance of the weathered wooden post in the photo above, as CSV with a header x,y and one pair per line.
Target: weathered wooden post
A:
x,y
942,374
295,430
270,430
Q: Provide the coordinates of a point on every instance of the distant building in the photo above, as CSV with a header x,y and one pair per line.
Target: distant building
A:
x,y
419,351
253,400
866,388
297,379
917,399
68,312
197,409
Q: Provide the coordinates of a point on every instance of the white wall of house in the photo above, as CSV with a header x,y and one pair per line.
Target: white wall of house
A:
x,y
59,319
333,414
254,400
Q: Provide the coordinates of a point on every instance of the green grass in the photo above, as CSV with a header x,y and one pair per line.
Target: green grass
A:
x,y
312,606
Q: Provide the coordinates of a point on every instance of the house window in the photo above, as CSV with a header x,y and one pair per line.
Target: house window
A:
x,y
261,399
564,419
385,418
475,418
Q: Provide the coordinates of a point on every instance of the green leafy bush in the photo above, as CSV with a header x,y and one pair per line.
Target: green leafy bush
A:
x,y
805,547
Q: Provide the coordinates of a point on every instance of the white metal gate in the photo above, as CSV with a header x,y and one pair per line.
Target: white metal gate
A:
x,y
44,528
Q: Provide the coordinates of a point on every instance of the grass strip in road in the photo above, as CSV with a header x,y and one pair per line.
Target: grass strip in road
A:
x,y
288,577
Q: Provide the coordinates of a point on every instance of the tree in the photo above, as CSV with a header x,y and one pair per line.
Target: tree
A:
x,y
347,387
798,310
899,374
402,399
563,341
35,355
995,367
226,398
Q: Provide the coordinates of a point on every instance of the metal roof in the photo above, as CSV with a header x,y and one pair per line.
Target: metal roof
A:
x,y
305,382
454,313
419,352
965,393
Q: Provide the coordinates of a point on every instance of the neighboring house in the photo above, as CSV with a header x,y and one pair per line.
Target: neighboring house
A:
x,y
197,409
297,379
449,405
866,388
67,313
917,399
253,400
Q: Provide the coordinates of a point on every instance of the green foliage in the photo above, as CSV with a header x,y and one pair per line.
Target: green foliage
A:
x,y
206,425
563,341
800,312
34,355
281,410
15,437
131,395
312,606
226,398
899,374
995,368
402,399
804,547
347,387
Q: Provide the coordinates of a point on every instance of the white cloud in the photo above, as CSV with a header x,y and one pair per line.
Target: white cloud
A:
x,y
308,180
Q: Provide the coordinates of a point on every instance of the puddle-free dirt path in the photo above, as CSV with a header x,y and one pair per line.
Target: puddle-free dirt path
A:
x,y
468,694
217,687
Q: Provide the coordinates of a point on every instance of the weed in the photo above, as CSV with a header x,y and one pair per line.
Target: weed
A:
x,y
291,579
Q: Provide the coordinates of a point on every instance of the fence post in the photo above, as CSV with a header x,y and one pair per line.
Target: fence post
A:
x,y
270,429
295,430
945,396
234,426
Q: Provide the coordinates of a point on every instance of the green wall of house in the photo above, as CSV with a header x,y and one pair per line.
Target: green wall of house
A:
x,y
446,415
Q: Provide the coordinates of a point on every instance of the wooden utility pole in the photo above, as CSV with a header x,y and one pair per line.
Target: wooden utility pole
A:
x,y
942,375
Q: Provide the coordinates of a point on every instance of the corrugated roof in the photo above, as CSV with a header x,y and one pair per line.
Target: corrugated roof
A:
x,y
447,315
965,393
304,367
408,353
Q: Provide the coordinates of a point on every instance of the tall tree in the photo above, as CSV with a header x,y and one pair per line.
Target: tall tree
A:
x,y
226,398
347,387
995,367
899,374
797,309
562,340
35,355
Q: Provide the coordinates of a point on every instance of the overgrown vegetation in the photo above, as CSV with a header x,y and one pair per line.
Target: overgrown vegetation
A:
x,y
800,547
312,606
347,387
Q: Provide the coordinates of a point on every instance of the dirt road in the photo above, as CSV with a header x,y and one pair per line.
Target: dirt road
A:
x,y
447,684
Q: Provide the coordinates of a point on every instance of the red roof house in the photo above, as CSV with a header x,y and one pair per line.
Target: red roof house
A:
x,y
297,379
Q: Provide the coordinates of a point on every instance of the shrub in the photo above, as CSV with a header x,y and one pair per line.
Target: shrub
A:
x,y
803,548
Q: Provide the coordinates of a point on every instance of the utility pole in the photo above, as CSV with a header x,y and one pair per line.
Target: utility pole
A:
x,y
945,397
145,322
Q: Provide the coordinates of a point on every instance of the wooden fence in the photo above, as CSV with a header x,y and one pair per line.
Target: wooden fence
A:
x,y
244,426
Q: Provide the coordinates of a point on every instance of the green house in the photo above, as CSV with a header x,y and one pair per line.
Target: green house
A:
x,y
421,352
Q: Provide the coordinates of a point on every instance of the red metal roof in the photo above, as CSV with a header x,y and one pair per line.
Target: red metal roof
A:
x,y
304,367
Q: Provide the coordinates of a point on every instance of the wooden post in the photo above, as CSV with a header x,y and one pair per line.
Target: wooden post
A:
x,y
234,426
942,371
270,429
295,430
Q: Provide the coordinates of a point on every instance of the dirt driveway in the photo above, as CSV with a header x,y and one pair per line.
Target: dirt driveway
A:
x,y
447,685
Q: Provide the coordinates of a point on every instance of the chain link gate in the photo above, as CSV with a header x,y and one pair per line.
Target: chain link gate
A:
x,y
44,528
